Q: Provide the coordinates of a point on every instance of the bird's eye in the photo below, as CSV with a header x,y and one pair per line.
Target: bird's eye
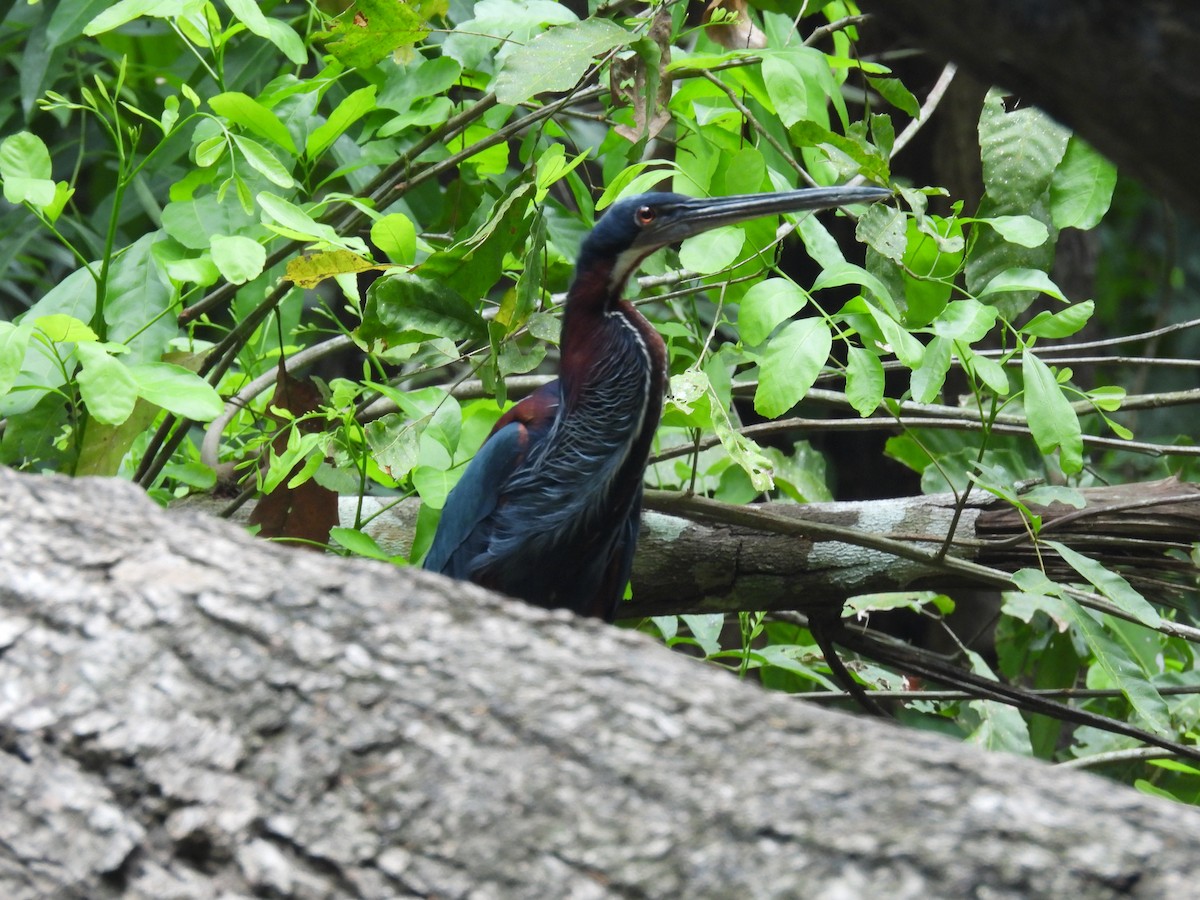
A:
x,y
644,215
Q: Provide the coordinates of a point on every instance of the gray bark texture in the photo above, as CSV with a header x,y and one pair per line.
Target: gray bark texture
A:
x,y
188,712
688,564
1118,73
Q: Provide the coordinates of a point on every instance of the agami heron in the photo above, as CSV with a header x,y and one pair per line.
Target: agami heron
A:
x,y
548,510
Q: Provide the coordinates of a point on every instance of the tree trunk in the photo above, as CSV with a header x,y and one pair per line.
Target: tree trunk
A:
x,y
1125,76
188,712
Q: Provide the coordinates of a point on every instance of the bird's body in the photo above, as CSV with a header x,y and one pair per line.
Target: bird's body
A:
x,y
548,510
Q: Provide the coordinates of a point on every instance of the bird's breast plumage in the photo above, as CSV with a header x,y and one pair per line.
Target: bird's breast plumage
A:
x,y
571,493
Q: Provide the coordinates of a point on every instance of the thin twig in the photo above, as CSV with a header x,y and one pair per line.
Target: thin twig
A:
x,y
932,99
741,107
890,423
704,510
918,662
1045,351
954,696
832,28
212,435
1133,754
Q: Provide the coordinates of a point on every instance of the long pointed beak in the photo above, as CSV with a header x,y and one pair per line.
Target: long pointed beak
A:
x,y
689,217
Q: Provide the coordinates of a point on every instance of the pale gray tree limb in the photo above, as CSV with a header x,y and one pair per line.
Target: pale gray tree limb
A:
x,y
188,712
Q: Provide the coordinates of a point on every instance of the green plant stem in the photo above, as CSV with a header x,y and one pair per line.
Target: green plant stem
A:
x,y
741,107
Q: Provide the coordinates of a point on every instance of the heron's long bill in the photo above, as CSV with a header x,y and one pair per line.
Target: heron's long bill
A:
x,y
688,217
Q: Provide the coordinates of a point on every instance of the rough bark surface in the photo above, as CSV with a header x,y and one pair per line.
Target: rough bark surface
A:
x,y
187,712
686,566
1117,73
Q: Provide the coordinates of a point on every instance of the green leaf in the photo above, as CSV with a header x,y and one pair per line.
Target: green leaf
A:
x,y
395,442
990,372
177,390
64,329
291,221
239,259
69,19
433,485
634,179
359,543
706,629
350,110
765,305
556,59
894,92
791,363
853,146
914,600
1023,230
74,300
712,251
14,342
1037,594
407,308
278,33
1051,419
194,222
668,626
819,243
473,266
520,304
1125,674
788,658
247,112
137,301
799,83
1061,324
1022,280
125,11
371,30
25,170
1020,152
63,192
1107,397
884,229
1045,494
864,380
396,236
964,320
1001,727
1110,584
499,28
210,150
1082,188
930,375
263,161
848,273
105,384
906,347
696,386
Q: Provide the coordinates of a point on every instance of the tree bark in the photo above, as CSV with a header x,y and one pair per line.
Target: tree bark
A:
x,y
188,712
686,564
1118,74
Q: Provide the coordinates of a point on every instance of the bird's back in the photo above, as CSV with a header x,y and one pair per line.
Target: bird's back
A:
x,y
548,510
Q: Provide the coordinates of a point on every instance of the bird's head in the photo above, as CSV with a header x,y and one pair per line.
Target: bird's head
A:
x,y
633,228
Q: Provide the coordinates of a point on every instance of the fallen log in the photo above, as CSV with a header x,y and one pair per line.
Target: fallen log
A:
x,y
189,712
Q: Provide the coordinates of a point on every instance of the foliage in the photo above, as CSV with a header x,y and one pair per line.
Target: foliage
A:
x,y
198,189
